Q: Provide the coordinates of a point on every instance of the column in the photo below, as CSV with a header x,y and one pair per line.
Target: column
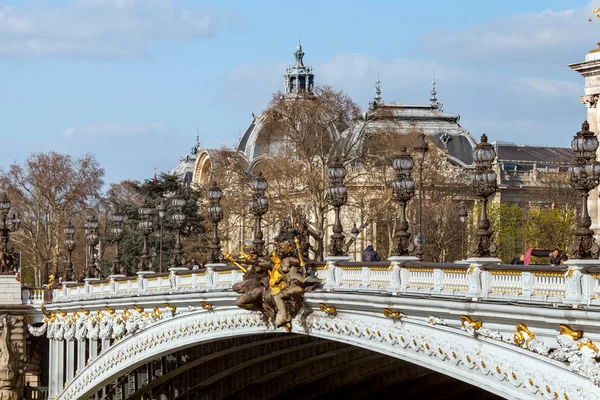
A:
x,y
81,358
105,344
60,370
70,361
52,368
93,349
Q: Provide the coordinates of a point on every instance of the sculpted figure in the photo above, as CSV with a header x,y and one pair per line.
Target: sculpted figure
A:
x,y
276,286
9,361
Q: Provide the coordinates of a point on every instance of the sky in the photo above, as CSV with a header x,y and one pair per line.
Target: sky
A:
x,y
132,81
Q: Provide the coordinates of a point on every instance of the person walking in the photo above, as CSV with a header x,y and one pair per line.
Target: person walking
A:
x,y
370,254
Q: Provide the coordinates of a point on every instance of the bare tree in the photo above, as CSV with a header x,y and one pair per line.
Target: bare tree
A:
x,y
49,189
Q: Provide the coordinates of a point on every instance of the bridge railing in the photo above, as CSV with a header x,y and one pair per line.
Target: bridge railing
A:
x,y
213,278
571,284
35,295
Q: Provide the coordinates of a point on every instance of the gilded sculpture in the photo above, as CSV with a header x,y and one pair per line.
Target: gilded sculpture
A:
x,y
276,285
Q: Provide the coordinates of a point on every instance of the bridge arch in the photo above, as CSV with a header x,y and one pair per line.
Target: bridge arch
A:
x,y
492,365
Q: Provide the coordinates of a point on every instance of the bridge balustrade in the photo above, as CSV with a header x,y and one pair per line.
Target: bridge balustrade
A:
x,y
568,284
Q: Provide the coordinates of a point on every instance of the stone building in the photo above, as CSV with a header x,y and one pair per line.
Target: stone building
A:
x,y
518,166
590,70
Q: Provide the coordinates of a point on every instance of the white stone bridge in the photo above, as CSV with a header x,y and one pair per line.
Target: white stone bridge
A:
x,y
409,328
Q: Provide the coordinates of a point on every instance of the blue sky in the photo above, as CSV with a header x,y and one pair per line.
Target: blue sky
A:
x,y
131,80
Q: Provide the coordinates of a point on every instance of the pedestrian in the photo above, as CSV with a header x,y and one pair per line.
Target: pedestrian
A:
x,y
519,260
370,254
555,258
195,264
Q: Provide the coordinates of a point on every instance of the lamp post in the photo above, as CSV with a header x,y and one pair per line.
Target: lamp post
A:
x,y
484,185
354,232
117,233
70,246
161,208
215,215
421,149
145,224
584,176
9,225
92,239
259,205
462,216
178,219
337,196
403,189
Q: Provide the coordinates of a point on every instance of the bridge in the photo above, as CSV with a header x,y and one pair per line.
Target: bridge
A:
x,y
400,327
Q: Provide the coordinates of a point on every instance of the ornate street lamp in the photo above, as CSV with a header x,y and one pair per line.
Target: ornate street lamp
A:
x,y
117,234
215,215
145,212
421,148
337,196
92,239
161,208
9,225
70,246
259,205
403,189
484,185
462,216
354,232
584,175
178,219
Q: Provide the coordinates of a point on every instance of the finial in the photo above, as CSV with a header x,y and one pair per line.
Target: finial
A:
x,y
378,89
585,126
484,138
154,179
299,55
197,136
433,92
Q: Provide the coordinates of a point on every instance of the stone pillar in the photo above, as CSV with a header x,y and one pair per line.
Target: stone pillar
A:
x,y
93,353
60,370
80,355
590,70
51,368
70,360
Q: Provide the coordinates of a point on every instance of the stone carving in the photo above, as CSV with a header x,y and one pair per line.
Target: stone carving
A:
x,y
37,331
527,340
11,361
276,286
590,100
433,320
579,352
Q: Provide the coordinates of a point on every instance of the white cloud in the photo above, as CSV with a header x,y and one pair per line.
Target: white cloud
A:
x,y
556,36
102,28
114,130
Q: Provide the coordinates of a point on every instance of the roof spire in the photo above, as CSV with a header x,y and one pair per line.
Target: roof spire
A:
x,y
299,55
197,136
155,178
378,89
433,99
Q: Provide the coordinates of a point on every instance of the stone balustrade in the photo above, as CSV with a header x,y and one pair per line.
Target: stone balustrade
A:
x,y
576,283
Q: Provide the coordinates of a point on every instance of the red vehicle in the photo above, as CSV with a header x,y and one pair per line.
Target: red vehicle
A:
x,y
537,253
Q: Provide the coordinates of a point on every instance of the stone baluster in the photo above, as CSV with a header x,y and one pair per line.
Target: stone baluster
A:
x,y
365,277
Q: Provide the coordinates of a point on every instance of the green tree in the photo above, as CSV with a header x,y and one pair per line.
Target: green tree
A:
x,y
507,223
550,228
194,233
